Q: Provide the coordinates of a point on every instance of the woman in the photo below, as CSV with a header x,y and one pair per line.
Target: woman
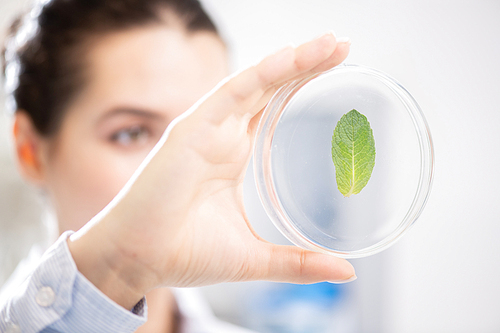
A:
x,y
101,91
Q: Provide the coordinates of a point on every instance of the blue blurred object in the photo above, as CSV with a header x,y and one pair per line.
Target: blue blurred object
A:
x,y
315,308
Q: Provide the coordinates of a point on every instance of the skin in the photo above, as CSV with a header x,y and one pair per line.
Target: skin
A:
x,y
179,221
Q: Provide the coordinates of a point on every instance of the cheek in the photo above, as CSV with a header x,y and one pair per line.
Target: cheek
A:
x,y
84,179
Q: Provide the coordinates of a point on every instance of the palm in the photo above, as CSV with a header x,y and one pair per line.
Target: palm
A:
x,y
215,238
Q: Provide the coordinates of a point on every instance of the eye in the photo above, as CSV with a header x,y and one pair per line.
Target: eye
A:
x,y
135,135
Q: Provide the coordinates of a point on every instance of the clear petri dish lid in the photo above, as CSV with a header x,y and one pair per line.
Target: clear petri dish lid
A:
x,y
295,173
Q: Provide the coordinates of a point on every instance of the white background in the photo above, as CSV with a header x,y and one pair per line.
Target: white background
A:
x,y
443,276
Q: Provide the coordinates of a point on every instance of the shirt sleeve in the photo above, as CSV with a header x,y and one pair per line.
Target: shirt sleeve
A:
x,y
56,297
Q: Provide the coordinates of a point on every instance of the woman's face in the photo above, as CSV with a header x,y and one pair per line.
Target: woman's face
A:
x,y
139,80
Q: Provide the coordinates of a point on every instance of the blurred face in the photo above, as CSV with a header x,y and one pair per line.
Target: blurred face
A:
x,y
139,81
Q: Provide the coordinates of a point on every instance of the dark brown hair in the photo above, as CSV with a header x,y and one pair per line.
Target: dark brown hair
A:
x,y
44,71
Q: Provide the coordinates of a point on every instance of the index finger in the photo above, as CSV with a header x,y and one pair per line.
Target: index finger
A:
x,y
240,92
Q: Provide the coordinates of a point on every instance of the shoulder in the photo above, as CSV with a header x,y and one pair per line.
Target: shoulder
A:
x,y
196,315
23,270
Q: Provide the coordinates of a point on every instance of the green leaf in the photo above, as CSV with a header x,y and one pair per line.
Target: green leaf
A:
x,y
353,152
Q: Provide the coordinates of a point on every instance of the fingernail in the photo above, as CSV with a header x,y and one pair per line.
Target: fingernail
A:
x,y
331,32
344,40
352,278
328,34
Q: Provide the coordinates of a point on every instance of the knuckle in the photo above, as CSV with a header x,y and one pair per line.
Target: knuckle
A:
x,y
262,78
235,93
302,261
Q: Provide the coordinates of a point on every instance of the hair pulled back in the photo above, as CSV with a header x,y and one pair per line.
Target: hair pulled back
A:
x,y
42,59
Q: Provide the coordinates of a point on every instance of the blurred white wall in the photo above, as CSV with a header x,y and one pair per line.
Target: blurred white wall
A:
x,y
443,275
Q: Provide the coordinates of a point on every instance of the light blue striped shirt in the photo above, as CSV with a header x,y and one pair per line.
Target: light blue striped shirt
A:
x,y
55,297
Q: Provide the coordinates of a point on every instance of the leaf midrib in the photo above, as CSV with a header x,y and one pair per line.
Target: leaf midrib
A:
x,y
352,162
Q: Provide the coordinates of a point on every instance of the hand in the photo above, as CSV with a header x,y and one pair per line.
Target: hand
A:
x,y
180,221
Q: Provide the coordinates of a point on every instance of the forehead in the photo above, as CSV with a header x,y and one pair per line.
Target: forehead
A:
x,y
153,66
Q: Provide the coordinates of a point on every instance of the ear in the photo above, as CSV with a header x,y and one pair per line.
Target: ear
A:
x,y
28,144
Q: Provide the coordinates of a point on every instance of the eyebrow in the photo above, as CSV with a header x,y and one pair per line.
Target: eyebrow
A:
x,y
130,111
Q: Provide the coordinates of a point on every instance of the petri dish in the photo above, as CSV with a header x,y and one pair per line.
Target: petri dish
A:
x,y
295,174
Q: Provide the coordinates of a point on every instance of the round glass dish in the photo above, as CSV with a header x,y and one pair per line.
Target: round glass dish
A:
x,y
295,173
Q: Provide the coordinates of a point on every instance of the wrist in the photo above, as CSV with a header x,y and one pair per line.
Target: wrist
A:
x,y
99,259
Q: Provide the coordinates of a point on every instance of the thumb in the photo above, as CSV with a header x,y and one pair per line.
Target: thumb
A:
x,y
295,265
